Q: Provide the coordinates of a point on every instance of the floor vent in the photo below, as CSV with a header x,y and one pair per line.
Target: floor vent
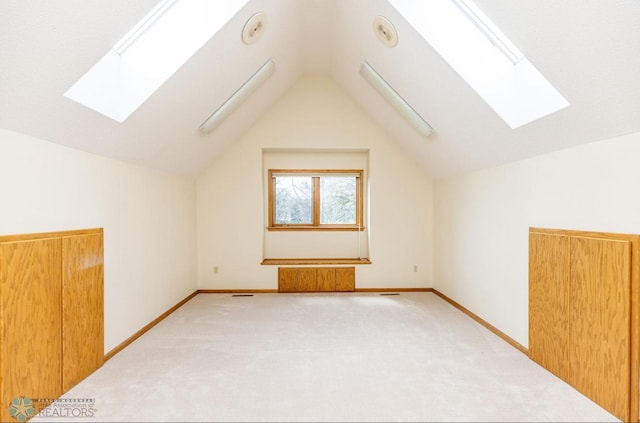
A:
x,y
390,293
242,295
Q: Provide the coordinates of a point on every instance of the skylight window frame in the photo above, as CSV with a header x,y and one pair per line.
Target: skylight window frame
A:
x,y
125,42
490,30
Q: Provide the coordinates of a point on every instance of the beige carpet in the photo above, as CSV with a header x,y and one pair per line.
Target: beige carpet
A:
x,y
326,357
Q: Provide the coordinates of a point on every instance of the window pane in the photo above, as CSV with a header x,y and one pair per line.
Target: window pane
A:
x,y
338,200
294,196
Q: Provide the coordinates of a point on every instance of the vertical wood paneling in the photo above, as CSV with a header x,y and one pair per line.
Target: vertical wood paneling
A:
x,y
326,279
600,288
315,279
548,302
345,279
604,318
82,307
307,279
30,316
287,277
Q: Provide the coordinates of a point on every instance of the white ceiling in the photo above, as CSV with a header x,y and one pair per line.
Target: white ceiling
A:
x,y
589,50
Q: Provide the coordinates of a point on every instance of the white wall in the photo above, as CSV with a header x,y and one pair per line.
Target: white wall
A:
x,y
148,219
314,114
482,221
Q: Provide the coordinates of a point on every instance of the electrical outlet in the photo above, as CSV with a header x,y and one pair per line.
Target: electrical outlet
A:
x,y
415,268
215,270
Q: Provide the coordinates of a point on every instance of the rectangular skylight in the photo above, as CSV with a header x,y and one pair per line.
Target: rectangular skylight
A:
x,y
147,56
480,53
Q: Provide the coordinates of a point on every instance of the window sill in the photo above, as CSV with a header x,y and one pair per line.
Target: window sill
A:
x,y
296,261
315,228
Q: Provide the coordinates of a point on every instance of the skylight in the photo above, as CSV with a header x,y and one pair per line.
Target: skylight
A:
x,y
147,56
480,53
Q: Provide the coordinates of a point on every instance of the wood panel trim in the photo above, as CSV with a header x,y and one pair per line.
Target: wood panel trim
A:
x,y
237,291
394,290
147,327
43,235
584,234
634,392
314,261
293,227
483,322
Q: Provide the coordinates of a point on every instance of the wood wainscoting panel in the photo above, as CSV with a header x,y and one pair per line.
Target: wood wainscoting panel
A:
x,y
316,279
287,277
307,280
600,315
549,302
326,279
82,307
345,279
30,315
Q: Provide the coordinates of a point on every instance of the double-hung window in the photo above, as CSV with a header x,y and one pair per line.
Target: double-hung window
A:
x,y
315,199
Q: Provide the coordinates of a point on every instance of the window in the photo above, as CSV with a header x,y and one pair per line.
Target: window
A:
x,y
479,52
147,56
315,199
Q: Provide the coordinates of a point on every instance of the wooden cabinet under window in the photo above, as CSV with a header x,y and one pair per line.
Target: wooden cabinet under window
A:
x,y
51,313
316,279
583,313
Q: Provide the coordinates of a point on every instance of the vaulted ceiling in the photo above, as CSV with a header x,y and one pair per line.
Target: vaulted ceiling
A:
x,y
589,50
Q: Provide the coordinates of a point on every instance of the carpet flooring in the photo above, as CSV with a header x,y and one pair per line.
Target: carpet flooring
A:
x,y
348,357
